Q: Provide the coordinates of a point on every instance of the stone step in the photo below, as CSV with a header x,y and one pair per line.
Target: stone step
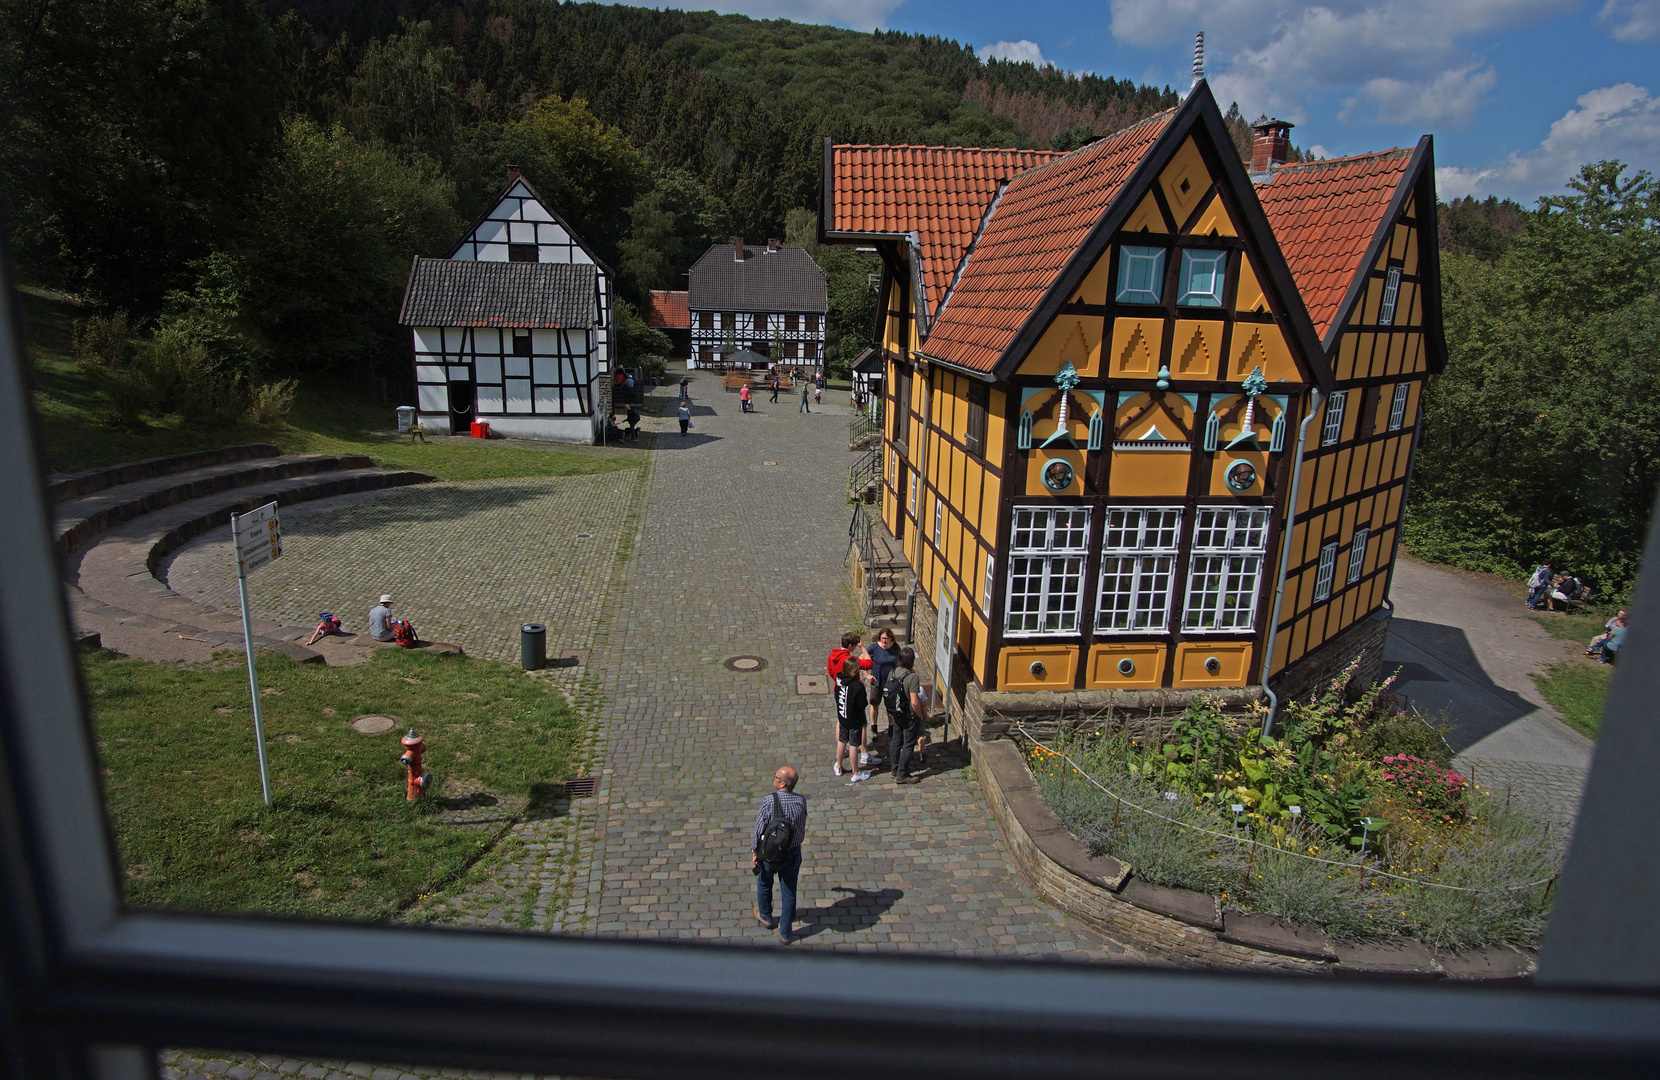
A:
x,y
78,520
61,486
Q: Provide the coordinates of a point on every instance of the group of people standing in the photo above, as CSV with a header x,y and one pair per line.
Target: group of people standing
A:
x,y
867,682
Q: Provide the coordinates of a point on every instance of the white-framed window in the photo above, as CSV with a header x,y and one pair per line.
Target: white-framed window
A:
x,y
1325,572
1397,407
1138,562
1140,275
916,486
1332,429
939,519
1357,553
1046,570
1203,275
1225,574
1391,291
991,576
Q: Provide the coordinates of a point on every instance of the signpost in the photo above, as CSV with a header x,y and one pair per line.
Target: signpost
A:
x,y
258,541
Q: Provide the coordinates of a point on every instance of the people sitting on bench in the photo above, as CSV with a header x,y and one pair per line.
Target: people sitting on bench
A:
x,y
1609,644
1569,591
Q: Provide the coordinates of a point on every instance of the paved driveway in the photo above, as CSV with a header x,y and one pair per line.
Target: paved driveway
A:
x,y
1467,646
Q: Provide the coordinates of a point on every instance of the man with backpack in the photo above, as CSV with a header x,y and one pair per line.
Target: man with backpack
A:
x,y
775,849
907,713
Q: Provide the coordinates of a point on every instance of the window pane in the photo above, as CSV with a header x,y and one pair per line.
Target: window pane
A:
x,y
1140,275
1202,278
1332,429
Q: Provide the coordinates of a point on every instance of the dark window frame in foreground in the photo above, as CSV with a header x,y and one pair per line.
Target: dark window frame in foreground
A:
x,y
86,984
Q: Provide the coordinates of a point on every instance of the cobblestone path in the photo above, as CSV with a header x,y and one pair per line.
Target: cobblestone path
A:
x,y
740,553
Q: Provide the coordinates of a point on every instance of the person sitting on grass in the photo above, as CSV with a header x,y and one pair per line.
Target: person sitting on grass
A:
x,y
1610,646
329,623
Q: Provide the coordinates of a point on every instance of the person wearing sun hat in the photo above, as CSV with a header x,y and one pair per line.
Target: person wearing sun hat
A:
x,y
380,619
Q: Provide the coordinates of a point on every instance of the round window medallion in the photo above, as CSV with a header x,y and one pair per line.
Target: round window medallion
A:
x,y
1240,475
1057,475
375,723
745,663
1126,666
1212,665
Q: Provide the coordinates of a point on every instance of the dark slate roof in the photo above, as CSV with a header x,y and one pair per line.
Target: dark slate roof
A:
x,y
464,292
869,363
784,280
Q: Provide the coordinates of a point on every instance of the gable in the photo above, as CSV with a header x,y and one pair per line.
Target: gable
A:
x,y
519,217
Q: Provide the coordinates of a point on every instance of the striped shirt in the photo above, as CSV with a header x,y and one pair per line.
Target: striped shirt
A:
x,y
795,812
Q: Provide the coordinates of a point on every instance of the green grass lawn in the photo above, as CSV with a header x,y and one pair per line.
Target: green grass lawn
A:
x,y
328,418
1578,688
182,781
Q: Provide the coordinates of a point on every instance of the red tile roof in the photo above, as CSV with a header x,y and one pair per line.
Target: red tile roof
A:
x,y
669,311
940,192
1325,214
1035,229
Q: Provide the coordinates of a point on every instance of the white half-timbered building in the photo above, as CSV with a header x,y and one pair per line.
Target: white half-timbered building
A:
x,y
772,301
514,327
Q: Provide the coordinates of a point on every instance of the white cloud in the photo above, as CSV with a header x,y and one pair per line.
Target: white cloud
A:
x,y
1631,20
1620,121
1017,51
1402,56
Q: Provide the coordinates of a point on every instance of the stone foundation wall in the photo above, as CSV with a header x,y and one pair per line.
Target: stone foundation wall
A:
x,y
998,714
1363,641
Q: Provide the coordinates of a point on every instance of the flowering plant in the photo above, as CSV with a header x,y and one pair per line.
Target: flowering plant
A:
x,y
1423,785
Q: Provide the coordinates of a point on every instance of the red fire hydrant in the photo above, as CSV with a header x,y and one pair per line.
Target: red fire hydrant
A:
x,y
413,747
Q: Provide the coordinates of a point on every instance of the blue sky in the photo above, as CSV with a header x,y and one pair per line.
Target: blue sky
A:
x,y
1518,93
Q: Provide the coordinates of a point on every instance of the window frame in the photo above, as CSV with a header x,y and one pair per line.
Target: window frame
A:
x,y
1391,296
1073,554
1128,256
1397,406
1233,557
974,432
1357,554
79,971
1218,259
1325,571
1165,549
1331,424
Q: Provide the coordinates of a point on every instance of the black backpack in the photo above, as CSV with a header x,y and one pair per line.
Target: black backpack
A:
x,y
897,701
775,838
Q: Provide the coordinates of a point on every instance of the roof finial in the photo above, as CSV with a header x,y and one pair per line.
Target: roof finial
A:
x,y
1198,58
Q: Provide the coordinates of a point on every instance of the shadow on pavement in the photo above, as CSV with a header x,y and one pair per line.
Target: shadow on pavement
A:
x,y
1439,673
861,909
673,440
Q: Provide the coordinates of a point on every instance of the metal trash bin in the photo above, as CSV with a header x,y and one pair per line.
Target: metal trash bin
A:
x,y
406,418
533,646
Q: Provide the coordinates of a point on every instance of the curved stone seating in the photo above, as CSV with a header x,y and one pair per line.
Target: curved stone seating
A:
x,y
61,486
77,520
112,542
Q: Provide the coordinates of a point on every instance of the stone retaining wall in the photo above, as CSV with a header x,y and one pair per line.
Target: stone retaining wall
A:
x,y
1192,928
75,485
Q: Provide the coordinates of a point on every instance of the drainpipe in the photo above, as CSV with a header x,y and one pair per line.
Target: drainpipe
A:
x,y
1315,400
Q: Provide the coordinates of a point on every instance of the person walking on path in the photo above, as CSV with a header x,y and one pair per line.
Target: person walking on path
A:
x,y
1537,585
633,423
907,715
685,415
773,382
685,382
884,657
765,856
743,397
851,704
804,407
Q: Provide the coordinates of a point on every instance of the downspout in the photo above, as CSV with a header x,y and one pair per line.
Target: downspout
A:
x,y
1315,401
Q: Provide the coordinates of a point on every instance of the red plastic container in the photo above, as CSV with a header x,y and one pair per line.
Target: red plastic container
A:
x,y
481,429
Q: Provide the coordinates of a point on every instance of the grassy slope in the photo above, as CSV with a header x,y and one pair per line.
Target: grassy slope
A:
x,y
182,783
1578,687
76,433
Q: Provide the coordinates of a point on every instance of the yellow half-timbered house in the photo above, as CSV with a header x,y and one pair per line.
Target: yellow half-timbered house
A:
x,y
1119,378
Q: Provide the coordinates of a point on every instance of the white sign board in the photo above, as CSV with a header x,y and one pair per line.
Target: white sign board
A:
x,y
258,538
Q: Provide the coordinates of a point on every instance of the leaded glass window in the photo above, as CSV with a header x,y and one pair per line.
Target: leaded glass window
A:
x,y
1332,429
1140,275
1391,290
1225,575
1357,554
1046,570
1325,572
1138,561
1397,407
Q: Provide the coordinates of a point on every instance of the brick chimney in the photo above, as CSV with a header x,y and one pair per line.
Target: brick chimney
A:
x,y
512,175
1271,146
737,249
772,245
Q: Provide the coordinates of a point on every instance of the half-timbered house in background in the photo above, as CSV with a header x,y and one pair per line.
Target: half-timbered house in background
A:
x,y
771,301
513,327
1118,380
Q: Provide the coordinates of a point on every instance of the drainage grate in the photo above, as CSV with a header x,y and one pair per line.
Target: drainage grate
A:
x,y
746,663
580,788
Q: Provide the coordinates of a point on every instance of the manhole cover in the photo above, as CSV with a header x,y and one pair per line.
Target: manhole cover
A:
x,y
745,663
812,684
375,723
580,788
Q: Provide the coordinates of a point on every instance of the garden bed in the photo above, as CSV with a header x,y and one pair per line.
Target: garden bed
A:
x,y
1348,820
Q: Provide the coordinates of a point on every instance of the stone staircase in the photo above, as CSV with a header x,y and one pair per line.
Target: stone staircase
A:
x,y
115,526
881,576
